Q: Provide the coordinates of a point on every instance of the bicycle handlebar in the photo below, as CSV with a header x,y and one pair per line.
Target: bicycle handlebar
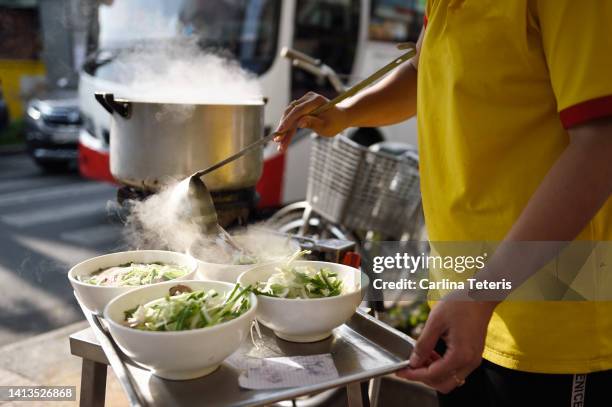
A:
x,y
315,70
299,56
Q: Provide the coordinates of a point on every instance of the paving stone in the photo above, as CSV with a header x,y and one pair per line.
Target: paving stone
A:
x,y
46,360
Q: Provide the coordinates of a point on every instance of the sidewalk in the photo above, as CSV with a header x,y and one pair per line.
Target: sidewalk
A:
x,y
46,360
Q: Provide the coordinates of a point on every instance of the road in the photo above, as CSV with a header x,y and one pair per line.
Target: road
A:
x,y
48,222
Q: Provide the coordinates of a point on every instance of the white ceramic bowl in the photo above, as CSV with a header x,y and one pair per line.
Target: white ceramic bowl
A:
x,y
208,270
228,273
307,320
96,297
179,355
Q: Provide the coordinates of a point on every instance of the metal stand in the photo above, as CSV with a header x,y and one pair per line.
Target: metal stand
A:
x,y
361,341
93,384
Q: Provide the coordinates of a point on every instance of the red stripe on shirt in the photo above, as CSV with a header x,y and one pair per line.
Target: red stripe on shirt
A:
x,y
425,20
586,111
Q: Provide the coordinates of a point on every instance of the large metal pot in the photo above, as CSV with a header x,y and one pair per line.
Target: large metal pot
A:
x,y
151,142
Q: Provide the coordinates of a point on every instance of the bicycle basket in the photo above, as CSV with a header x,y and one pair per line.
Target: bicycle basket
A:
x,y
362,189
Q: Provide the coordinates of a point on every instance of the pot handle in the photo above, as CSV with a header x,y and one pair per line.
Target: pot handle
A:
x,y
100,98
108,102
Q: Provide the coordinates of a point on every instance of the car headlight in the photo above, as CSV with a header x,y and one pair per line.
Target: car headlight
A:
x,y
33,112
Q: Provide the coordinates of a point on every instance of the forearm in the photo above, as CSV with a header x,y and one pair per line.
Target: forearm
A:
x,y
571,194
390,101
574,190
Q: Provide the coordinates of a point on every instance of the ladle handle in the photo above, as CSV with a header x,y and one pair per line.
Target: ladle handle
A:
x,y
366,82
344,95
236,156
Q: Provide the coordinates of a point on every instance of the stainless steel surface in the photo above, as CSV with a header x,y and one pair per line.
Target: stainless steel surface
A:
x,y
362,349
353,393
375,391
153,142
315,67
192,200
93,384
114,358
236,156
85,345
296,55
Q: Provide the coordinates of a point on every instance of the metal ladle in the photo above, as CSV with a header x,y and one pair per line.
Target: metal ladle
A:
x,y
191,194
192,200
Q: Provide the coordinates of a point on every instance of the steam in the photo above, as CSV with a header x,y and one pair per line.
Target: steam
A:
x,y
155,224
159,64
263,244
183,73
161,59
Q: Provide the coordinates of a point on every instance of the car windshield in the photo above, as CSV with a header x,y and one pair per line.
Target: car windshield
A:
x,y
247,30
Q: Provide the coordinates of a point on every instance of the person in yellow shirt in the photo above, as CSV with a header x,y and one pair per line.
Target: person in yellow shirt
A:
x,y
514,110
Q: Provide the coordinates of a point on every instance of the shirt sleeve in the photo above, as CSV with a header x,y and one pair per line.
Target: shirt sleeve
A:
x,y
577,42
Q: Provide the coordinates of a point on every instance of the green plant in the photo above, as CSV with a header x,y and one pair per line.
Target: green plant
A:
x,y
409,318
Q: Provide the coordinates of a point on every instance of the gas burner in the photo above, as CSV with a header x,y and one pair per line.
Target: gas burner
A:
x,y
126,193
233,207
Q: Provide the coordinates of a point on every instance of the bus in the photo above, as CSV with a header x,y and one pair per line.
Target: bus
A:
x,y
354,37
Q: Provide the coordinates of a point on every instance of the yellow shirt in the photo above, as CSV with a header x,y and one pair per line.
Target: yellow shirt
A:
x,y
500,82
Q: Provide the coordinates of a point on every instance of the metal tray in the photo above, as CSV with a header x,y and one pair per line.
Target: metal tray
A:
x,y
362,349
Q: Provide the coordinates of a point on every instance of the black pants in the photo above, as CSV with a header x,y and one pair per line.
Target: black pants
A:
x,y
491,385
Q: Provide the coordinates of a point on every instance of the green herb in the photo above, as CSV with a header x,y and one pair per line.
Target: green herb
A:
x,y
300,282
193,310
128,313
